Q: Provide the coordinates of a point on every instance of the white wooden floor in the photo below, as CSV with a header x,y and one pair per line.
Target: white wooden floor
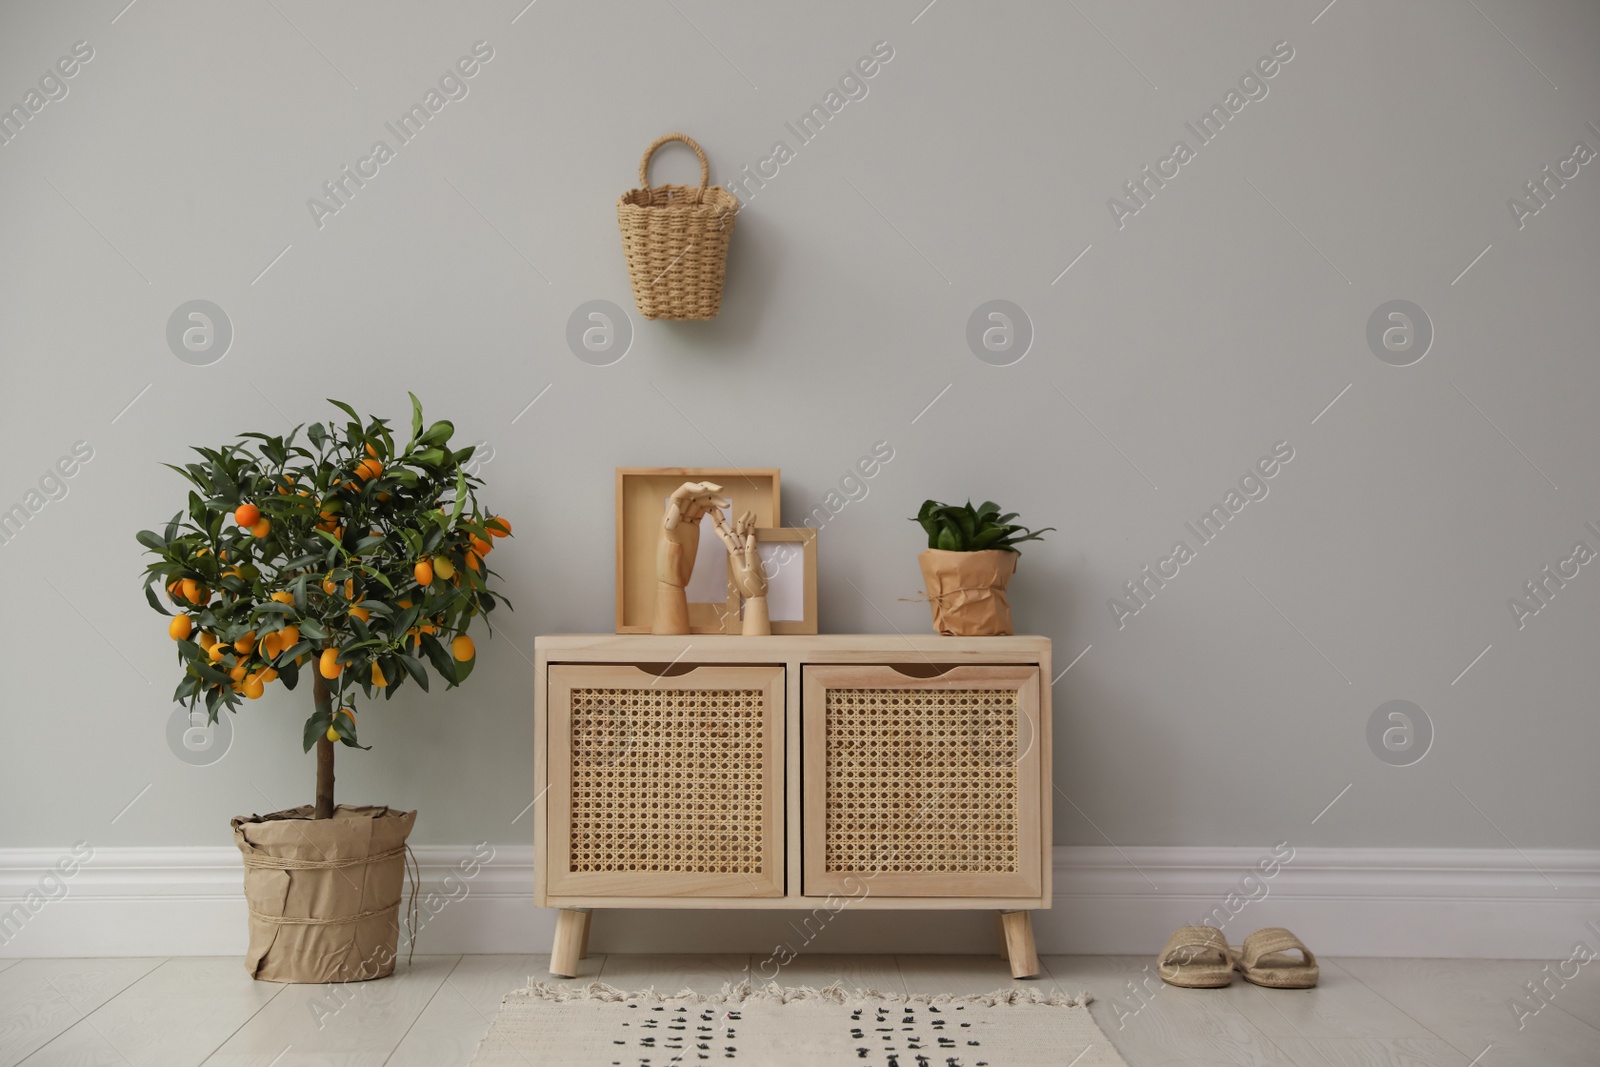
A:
x,y
1378,1012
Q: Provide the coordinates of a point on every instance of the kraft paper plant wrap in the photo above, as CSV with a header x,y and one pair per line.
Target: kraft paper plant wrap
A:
x,y
967,591
350,869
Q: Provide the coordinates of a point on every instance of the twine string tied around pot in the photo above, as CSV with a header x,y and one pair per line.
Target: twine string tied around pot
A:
x,y
286,863
934,598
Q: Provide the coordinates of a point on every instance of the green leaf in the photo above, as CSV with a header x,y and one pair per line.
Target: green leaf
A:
x,y
988,538
967,520
437,434
151,540
948,540
416,419
441,660
316,726
1033,535
415,669
184,471
150,595
404,619
346,408
211,674
461,495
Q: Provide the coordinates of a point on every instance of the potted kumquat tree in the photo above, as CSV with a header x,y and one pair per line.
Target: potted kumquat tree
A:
x,y
341,555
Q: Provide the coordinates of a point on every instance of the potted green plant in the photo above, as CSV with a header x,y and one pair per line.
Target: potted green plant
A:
x,y
360,562
970,559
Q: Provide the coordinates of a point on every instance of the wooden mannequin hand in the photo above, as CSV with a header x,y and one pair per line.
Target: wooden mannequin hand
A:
x,y
679,540
748,575
676,546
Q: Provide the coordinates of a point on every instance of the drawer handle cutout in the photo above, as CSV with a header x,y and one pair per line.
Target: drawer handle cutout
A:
x,y
667,670
921,670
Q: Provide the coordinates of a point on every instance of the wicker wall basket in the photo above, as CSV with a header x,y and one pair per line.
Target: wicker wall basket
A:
x,y
676,240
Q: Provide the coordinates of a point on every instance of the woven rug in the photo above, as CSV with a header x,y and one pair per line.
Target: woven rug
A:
x,y
580,1026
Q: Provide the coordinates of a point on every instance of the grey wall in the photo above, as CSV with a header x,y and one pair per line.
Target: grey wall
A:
x,y
1183,345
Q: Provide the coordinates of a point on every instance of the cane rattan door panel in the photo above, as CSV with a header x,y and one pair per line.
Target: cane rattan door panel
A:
x,y
919,786
666,785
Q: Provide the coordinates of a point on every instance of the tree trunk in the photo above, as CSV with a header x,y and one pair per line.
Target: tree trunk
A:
x,y
324,700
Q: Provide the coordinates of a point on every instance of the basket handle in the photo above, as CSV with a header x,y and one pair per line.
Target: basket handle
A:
x,y
644,163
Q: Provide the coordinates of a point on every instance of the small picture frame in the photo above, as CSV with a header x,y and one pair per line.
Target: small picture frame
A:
x,y
642,494
789,560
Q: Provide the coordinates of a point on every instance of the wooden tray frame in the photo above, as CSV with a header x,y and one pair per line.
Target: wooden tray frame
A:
x,y
755,489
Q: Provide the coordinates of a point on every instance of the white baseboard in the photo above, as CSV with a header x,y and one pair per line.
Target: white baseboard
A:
x,y
1497,903
1486,903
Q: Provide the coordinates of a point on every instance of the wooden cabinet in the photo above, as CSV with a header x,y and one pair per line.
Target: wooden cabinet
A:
x,y
779,772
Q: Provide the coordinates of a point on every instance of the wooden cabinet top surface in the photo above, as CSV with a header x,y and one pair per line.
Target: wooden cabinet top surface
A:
x,y
736,647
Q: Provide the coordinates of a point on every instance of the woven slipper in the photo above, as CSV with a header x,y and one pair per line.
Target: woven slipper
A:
x,y
1196,957
1264,960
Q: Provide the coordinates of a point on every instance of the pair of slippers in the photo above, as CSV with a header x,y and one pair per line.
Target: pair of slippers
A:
x,y
1199,957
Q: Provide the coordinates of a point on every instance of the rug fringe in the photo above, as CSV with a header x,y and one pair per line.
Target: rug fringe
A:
x,y
744,993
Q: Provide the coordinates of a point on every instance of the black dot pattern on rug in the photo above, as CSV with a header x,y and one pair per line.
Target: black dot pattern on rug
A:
x,y
895,1036
713,1034
884,1035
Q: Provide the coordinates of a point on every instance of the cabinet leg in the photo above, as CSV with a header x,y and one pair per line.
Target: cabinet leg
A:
x,y
1018,928
572,941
